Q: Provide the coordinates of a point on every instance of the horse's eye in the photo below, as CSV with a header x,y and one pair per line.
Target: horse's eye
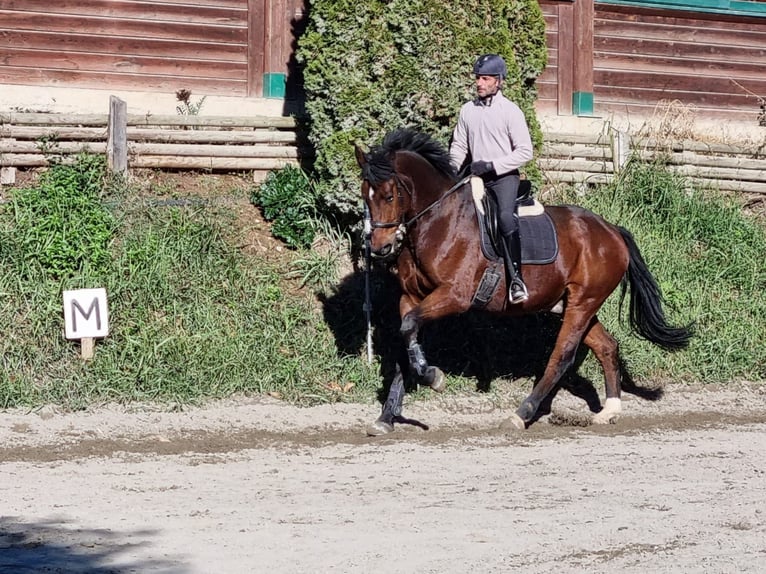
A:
x,y
389,198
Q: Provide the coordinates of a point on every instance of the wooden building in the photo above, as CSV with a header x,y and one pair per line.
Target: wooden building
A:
x,y
627,56
228,47
605,56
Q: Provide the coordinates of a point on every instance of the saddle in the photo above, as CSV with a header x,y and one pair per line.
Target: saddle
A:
x,y
539,243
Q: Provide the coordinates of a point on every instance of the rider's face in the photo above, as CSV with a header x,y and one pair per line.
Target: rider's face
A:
x,y
487,85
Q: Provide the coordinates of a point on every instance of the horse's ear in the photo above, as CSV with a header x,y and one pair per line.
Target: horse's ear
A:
x,y
361,157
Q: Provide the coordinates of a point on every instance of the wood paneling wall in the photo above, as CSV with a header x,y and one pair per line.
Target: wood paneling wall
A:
x,y
715,63
209,46
548,82
642,57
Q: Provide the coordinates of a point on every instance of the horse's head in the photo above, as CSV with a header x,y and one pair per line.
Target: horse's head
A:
x,y
387,199
406,169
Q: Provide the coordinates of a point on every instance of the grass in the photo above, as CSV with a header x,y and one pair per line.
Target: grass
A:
x,y
193,317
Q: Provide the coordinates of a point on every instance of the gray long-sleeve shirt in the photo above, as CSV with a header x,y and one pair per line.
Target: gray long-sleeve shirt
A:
x,y
495,131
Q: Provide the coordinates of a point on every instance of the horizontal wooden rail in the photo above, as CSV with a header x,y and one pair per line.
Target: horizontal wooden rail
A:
x,y
262,144
226,143
36,119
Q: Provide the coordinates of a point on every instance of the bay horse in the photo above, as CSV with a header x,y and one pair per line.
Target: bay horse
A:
x,y
424,221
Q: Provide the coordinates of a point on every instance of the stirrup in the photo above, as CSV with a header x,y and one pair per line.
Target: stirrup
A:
x,y
518,292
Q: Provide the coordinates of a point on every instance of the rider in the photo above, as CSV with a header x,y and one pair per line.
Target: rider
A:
x,y
493,130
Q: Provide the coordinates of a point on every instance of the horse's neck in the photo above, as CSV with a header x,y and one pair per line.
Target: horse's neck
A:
x,y
425,193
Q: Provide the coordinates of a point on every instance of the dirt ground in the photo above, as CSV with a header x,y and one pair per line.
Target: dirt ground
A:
x,y
253,485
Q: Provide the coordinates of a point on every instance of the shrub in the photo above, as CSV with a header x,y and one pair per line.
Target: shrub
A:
x,y
61,225
288,201
370,67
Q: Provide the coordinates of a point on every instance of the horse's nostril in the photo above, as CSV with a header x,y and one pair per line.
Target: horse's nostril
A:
x,y
385,250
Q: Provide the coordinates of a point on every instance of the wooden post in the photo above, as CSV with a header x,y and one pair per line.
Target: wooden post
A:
x,y
582,72
566,54
620,149
7,175
117,136
86,348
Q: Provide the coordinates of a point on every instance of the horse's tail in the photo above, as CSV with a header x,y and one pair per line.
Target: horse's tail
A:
x,y
646,315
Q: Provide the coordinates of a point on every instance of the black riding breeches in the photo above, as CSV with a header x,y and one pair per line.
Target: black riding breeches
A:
x,y
505,190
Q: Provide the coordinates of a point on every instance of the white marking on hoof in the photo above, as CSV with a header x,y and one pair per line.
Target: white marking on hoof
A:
x,y
610,413
558,308
379,428
513,422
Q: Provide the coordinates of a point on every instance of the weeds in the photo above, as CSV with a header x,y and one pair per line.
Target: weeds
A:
x,y
61,226
186,107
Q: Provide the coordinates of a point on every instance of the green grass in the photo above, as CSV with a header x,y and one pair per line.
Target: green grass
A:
x,y
193,317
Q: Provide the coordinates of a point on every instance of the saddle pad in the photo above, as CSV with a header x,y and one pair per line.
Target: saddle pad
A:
x,y
539,243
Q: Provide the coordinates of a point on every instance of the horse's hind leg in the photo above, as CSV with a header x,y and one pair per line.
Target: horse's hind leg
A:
x,y
606,350
576,323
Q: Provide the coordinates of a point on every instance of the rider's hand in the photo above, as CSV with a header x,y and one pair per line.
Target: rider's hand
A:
x,y
481,167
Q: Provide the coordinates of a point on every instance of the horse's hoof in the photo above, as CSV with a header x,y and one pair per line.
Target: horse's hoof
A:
x,y
440,381
609,414
379,428
513,422
605,418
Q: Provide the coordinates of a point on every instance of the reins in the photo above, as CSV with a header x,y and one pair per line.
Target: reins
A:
x,y
404,225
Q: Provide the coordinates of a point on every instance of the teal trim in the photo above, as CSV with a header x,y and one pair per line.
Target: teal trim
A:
x,y
733,7
274,86
582,103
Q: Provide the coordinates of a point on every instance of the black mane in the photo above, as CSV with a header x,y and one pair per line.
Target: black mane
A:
x,y
380,168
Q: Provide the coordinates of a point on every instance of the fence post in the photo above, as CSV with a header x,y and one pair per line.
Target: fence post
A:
x,y
620,149
117,136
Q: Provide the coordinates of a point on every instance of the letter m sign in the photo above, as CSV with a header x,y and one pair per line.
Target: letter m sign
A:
x,y
85,314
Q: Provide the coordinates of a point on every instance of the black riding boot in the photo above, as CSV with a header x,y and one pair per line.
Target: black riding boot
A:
x,y
517,290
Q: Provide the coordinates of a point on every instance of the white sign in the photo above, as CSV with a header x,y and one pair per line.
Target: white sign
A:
x,y
85,314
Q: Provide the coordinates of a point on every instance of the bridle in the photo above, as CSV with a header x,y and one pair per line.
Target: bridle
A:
x,y
403,224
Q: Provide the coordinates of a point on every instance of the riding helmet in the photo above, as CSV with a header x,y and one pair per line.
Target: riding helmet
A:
x,y
490,65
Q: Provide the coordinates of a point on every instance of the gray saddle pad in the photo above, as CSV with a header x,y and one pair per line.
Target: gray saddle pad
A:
x,y
539,243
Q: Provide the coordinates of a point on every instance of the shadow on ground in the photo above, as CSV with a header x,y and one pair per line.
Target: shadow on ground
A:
x,y
56,546
476,344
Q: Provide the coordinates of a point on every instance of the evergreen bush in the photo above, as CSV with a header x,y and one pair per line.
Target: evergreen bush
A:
x,y
373,66
287,199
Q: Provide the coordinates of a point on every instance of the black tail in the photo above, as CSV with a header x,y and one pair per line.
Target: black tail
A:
x,y
646,315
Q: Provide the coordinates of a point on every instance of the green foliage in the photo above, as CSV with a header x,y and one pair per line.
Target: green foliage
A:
x,y
61,225
288,201
370,67
191,317
186,107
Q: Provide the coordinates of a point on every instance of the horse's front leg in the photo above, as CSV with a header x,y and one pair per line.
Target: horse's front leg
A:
x,y
430,376
392,408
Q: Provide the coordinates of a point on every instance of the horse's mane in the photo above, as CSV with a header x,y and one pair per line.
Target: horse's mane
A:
x,y
380,168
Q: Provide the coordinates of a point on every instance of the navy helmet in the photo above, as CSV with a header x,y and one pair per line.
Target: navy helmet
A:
x,y
490,65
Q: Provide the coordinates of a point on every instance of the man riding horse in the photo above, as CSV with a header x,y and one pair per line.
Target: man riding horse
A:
x,y
493,131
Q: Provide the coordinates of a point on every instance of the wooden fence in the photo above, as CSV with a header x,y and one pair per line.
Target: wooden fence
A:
x,y
597,158
213,143
262,144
